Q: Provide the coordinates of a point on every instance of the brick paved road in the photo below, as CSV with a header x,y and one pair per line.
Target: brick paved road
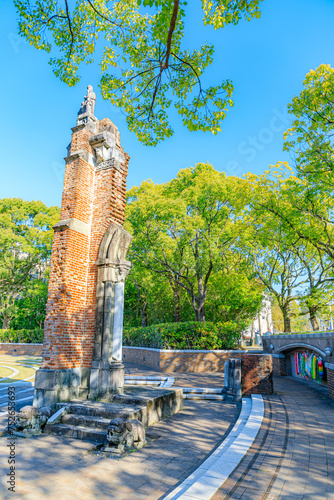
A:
x,y
293,454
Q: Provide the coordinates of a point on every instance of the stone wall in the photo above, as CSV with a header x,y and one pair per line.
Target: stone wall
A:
x,y
279,364
21,349
330,379
179,360
276,344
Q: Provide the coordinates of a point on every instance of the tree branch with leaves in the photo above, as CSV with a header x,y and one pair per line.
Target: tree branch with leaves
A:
x,y
145,68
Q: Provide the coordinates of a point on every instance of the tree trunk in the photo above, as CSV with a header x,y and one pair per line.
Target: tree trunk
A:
x,y
198,304
177,309
286,320
201,300
143,314
313,319
5,321
142,305
200,314
252,335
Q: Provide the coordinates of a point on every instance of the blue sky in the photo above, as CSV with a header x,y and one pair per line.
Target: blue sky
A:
x,y
266,59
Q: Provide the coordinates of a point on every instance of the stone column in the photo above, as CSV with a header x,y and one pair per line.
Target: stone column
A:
x,y
107,373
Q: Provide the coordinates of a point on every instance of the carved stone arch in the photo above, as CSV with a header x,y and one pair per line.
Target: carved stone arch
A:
x,y
114,244
112,271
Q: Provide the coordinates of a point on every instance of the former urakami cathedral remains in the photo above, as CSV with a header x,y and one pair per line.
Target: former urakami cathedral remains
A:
x,y
83,328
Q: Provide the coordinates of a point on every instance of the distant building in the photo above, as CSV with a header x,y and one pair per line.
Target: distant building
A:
x,y
262,323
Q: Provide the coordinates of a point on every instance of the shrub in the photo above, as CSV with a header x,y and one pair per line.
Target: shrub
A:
x,y
188,335
22,336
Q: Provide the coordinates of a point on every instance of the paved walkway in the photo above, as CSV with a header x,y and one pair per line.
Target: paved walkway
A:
x,y
181,379
293,454
291,458
52,468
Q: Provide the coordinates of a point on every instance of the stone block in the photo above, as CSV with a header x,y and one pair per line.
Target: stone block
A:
x,y
85,377
45,379
44,398
62,378
75,377
94,379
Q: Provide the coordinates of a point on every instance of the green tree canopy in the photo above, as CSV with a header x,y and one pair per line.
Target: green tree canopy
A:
x,y
286,242
25,247
311,134
186,230
145,66
303,199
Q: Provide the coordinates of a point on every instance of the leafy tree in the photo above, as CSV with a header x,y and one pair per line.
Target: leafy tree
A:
x,y
149,300
287,263
145,68
29,309
184,230
305,203
311,134
299,321
234,295
280,273
319,281
25,247
270,248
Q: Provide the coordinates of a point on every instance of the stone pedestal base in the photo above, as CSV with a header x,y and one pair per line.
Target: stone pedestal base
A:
x,y
56,386
233,379
106,378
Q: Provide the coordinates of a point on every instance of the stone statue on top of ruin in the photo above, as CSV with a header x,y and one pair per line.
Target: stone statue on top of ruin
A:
x,y
88,105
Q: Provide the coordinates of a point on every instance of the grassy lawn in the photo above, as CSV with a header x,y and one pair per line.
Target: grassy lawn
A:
x,y
17,362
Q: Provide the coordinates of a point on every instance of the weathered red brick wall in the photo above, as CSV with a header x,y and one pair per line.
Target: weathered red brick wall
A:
x,y
330,381
256,374
108,206
95,197
21,349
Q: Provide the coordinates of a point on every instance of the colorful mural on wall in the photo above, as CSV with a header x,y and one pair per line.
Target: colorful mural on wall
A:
x,y
309,365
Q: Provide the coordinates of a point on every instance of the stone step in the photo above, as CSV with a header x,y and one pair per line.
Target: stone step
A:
x,y
89,421
202,390
143,382
213,397
77,432
103,410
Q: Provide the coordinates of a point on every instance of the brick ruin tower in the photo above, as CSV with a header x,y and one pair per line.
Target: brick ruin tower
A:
x,y
82,350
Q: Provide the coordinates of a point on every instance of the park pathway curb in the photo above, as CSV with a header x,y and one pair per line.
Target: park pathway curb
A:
x,y
203,483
